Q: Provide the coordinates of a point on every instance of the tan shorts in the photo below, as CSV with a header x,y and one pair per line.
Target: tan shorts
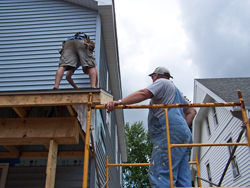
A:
x,y
73,51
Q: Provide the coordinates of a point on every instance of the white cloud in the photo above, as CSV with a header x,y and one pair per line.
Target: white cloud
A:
x,y
150,34
192,38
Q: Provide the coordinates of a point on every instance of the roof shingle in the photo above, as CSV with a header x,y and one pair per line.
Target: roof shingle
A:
x,y
226,88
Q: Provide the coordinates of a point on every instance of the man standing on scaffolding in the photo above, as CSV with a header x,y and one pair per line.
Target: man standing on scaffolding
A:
x,y
163,91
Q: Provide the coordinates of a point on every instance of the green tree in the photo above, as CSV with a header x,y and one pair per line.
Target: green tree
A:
x,y
139,149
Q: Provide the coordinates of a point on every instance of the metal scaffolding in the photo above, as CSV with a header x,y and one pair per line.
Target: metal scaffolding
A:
x,y
166,107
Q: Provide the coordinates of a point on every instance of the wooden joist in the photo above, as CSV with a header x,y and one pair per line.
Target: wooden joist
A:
x,y
39,131
20,111
71,111
52,99
13,150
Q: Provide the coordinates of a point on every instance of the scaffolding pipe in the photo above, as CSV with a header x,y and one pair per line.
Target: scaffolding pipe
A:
x,y
107,171
96,164
92,106
130,164
244,116
169,150
198,169
207,181
137,164
230,158
86,150
134,106
210,144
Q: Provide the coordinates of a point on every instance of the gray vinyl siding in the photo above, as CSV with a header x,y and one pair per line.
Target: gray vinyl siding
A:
x,y
31,34
109,144
35,177
103,68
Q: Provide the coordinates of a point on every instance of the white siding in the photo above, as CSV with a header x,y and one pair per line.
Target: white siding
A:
x,y
200,94
217,156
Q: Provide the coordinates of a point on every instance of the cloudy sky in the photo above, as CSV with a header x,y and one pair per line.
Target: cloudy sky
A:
x,y
192,38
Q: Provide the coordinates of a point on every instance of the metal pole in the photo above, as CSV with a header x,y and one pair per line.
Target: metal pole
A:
x,y
169,150
207,181
130,164
170,105
107,171
231,157
86,150
244,116
96,164
198,169
210,144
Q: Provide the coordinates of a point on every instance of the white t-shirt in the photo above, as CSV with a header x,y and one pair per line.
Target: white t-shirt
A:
x,y
163,91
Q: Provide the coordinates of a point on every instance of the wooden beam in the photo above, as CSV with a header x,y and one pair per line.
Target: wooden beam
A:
x,y
39,131
52,99
20,111
104,98
13,150
44,154
51,164
71,111
47,146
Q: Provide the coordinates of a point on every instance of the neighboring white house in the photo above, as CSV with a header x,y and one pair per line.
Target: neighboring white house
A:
x,y
221,125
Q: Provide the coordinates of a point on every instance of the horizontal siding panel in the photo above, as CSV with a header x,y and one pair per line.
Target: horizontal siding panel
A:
x,y
36,27
31,35
29,6
35,78
35,177
227,128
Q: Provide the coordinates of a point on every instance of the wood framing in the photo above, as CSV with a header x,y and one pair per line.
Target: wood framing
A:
x,y
71,111
57,98
51,164
20,111
39,131
13,150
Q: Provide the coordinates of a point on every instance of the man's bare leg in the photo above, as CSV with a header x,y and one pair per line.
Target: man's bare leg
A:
x,y
93,76
96,76
59,74
69,78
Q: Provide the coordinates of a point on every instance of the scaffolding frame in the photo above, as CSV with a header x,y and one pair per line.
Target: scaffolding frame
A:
x,y
196,162
166,107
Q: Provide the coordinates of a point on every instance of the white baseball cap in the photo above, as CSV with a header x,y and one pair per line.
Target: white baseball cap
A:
x,y
161,71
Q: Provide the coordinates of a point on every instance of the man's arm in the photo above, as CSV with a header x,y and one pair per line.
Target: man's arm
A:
x,y
135,97
189,115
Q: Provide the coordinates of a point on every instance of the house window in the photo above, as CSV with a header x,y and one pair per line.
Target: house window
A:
x,y
234,164
208,126
215,116
4,167
209,175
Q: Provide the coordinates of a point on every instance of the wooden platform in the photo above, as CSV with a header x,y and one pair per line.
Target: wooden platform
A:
x,y
25,130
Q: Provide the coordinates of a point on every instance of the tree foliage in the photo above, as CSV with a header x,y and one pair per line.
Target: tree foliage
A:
x,y
139,149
